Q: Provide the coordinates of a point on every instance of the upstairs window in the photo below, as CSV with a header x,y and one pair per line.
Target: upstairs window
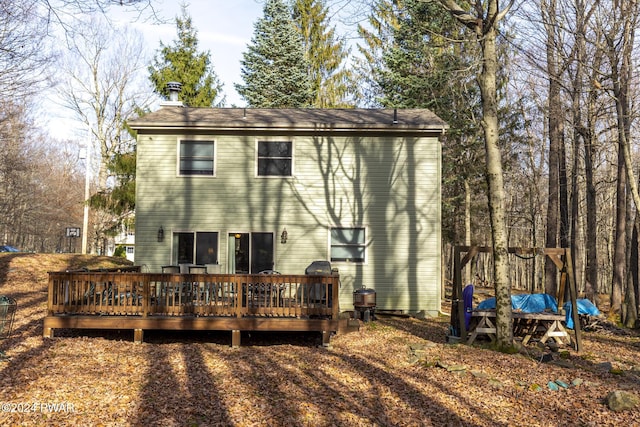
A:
x,y
196,158
275,158
348,244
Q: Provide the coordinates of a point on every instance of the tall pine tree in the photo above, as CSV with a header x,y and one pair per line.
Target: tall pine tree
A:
x,y
427,63
332,83
377,36
182,63
274,68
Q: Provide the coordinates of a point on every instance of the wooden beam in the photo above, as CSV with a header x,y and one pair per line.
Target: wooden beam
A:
x,y
562,287
190,323
483,249
139,324
573,292
473,251
557,259
555,254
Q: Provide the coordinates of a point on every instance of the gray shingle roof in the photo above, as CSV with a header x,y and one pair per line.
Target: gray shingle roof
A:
x,y
177,117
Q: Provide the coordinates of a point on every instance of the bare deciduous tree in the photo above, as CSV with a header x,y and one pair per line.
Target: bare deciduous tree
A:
x,y
69,13
104,85
39,184
484,21
24,54
620,40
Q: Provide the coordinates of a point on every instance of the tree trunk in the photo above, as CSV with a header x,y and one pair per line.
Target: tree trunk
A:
x,y
619,258
621,77
556,136
563,201
485,26
581,135
584,133
589,136
487,80
591,249
631,300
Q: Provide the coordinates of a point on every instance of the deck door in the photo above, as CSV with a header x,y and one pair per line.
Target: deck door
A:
x,y
250,252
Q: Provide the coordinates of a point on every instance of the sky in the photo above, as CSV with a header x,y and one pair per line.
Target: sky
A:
x,y
225,28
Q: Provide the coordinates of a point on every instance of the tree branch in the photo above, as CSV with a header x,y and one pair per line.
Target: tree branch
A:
x,y
464,17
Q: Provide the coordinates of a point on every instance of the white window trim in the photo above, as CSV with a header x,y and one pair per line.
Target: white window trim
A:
x,y
367,245
275,234
195,246
200,139
275,139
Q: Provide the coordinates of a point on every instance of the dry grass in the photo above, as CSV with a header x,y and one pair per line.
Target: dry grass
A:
x,y
366,378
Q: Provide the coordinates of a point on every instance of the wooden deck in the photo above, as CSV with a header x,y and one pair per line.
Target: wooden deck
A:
x,y
233,302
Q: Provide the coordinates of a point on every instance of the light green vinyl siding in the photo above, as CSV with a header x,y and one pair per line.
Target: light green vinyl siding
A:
x,y
389,185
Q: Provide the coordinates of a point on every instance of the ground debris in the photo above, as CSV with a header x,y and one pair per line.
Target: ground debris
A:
x,y
195,379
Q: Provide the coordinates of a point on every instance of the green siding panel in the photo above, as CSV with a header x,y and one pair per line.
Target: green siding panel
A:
x,y
389,185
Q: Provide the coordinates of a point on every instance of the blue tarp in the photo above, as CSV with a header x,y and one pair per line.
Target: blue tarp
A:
x,y
538,303
525,303
584,307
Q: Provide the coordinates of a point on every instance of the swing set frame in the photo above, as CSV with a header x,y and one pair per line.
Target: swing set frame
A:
x,y
562,259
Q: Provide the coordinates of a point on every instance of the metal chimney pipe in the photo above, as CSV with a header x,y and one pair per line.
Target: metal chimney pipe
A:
x,y
174,89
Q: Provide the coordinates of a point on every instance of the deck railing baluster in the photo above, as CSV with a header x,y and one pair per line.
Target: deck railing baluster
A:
x,y
169,294
203,302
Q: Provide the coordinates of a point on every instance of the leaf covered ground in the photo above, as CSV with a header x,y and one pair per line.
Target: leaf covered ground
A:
x,y
394,371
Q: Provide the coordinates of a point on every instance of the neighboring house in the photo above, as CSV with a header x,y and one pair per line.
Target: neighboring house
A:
x,y
127,240
246,190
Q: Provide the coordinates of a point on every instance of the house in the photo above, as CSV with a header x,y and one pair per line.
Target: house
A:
x,y
126,241
247,190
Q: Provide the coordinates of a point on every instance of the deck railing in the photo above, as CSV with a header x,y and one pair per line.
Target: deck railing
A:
x,y
202,295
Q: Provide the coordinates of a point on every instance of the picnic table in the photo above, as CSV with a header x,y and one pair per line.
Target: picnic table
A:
x,y
545,325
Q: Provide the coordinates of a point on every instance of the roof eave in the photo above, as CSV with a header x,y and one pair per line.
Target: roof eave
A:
x,y
440,128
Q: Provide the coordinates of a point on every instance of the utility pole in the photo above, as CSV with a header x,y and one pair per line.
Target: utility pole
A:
x,y
85,221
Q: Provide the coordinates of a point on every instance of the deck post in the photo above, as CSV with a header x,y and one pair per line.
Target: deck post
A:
x,y
138,336
239,292
48,333
50,297
335,297
146,297
326,338
235,338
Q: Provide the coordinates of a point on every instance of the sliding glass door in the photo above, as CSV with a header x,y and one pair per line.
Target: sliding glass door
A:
x,y
250,253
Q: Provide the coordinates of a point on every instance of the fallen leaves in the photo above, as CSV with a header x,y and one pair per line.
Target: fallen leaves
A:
x,y
394,371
